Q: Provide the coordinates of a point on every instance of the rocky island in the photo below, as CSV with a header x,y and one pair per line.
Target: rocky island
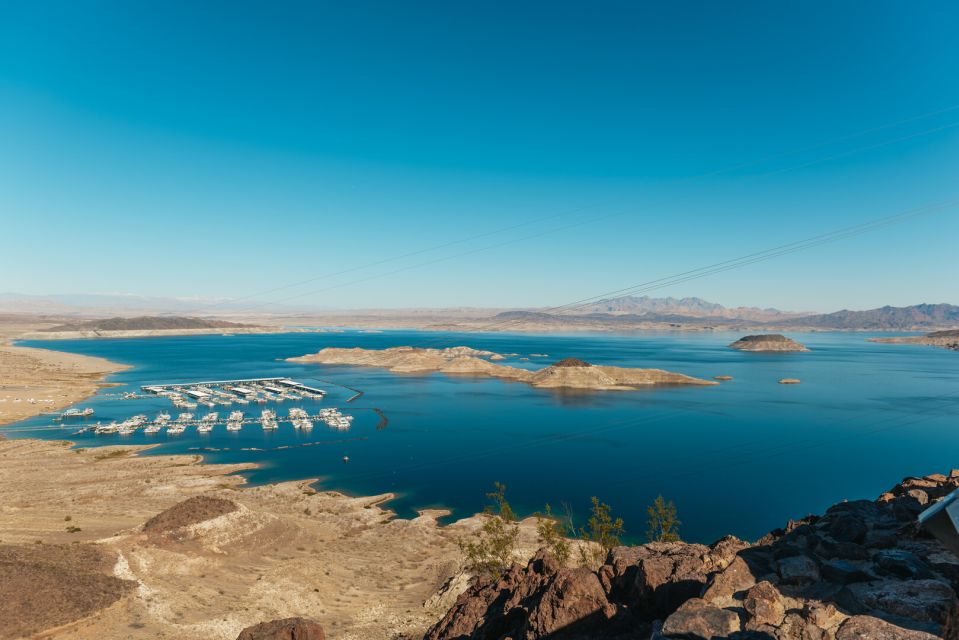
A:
x,y
945,339
569,373
767,343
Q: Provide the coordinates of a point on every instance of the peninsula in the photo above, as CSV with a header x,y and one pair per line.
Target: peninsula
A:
x,y
149,326
767,342
569,373
944,339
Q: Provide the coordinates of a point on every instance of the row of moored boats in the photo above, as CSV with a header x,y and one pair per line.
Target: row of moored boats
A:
x,y
298,417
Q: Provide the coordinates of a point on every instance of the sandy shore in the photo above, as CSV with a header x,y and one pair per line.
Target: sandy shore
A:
x,y
33,381
157,333
287,550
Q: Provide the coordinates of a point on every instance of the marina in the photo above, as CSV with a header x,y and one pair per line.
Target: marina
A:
x,y
213,393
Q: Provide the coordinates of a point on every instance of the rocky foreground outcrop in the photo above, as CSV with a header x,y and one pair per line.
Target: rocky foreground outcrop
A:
x,y
284,629
860,571
768,342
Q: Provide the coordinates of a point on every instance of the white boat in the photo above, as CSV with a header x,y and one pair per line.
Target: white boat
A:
x,y
213,416
77,413
268,420
105,428
152,428
205,427
176,429
184,417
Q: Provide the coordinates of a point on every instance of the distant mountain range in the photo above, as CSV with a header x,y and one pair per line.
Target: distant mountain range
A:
x,y
145,323
624,312
920,316
694,312
693,307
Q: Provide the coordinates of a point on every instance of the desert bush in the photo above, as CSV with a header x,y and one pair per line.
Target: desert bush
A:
x,y
601,534
553,531
491,553
663,523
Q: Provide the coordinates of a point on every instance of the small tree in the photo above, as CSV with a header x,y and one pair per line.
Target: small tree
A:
x,y
601,533
492,552
552,534
663,523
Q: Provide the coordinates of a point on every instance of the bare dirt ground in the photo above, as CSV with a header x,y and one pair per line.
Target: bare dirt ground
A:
x,y
285,550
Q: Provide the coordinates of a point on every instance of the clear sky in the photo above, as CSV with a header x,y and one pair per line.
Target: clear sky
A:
x,y
221,149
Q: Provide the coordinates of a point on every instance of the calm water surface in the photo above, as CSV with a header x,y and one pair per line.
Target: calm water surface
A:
x,y
740,458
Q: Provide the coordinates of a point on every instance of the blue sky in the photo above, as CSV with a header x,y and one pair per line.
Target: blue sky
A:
x,y
222,149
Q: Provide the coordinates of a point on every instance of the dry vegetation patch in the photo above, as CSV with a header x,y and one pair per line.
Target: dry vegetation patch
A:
x,y
45,586
191,511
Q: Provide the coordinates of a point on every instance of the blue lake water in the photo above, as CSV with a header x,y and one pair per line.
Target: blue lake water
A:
x,y
742,457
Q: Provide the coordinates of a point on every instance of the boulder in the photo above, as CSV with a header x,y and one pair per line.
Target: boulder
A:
x,y
699,620
539,600
848,528
798,570
764,604
284,629
923,601
870,628
844,572
903,564
574,597
735,578
655,578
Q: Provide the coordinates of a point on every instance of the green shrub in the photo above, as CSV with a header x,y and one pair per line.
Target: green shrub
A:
x,y
492,551
601,534
552,534
663,523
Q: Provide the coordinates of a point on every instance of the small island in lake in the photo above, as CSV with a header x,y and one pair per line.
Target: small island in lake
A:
x,y
570,373
946,339
767,342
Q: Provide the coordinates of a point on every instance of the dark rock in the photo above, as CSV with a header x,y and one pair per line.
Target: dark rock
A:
x,y
540,600
906,508
902,563
574,596
870,628
842,550
844,572
699,620
285,629
764,604
654,579
882,538
572,362
922,601
798,570
848,528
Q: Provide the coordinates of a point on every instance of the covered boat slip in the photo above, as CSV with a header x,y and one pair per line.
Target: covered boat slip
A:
x,y
242,387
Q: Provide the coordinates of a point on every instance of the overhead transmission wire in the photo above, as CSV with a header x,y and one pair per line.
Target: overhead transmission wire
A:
x,y
727,265
568,212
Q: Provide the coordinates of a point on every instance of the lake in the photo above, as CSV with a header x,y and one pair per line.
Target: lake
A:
x,y
742,457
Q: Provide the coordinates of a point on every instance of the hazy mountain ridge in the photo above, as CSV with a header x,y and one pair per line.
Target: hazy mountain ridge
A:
x,y
919,316
145,323
691,306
